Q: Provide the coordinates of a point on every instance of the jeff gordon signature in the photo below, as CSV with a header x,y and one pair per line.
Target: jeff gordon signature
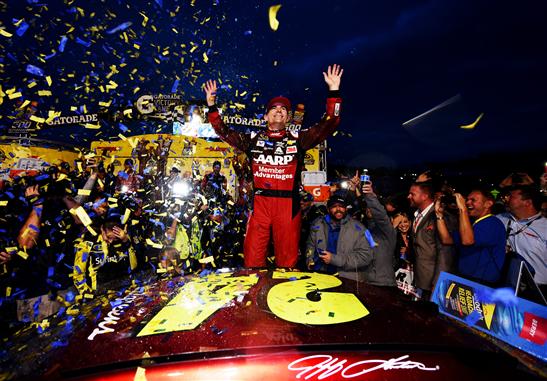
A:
x,y
324,366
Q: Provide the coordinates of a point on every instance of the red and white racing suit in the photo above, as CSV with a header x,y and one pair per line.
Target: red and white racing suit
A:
x,y
276,158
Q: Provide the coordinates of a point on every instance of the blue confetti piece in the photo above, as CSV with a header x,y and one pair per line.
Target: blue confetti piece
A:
x,y
59,343
69,297
473,317
42,177
160,3
50,272
34,227
123,127
120,27
59,257
123,175
50,55
115,303
248,33
369,238
175,86
35,70
87,44
36,306
62,44
13,58
22,28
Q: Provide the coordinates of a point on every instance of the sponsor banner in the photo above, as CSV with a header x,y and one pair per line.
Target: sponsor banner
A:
x,y
74,119
516,321
16,159
22,127
320,193
150,104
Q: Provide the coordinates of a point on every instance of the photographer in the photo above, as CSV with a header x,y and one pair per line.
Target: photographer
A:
x,y
380,271
432,256
480,238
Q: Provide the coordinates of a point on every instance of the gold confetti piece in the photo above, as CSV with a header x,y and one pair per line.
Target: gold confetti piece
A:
x,y
472,125
4,203
22,254
48,80
91,230
82,215
92,126
44,93
15,95
105,104
126,216
209,259
5,33
31,85
25,104
84,192
8,291
36,119
144,19
272,16
149,242
205,58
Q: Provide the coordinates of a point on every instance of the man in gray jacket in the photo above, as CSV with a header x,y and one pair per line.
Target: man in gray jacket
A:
x,y
380,272
338,243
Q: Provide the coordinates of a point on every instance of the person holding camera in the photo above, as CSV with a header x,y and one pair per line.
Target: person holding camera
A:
x,y
380,271
480,238
431,255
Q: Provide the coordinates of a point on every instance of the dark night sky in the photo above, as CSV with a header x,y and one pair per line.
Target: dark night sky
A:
x,y
401,58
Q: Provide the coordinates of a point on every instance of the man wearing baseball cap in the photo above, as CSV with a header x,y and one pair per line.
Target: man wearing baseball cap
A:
x,y
277,157
338,243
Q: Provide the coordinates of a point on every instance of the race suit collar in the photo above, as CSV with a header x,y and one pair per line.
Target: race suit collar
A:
x,y
276,134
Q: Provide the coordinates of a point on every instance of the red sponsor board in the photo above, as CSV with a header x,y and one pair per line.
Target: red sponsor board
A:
x,y
320,192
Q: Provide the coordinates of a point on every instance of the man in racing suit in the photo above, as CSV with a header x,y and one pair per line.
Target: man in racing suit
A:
x,y
277,157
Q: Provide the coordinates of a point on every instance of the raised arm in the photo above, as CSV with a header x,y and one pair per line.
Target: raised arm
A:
x,y
333,77
235,139
319,132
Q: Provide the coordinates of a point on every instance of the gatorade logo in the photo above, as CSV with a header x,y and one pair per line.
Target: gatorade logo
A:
x,y
273,160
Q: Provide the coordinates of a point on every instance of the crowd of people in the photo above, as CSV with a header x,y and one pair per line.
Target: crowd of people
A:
x,y
478,236
70,232
77,229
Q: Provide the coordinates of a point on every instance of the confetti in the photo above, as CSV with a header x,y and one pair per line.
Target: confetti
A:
x,y
272,16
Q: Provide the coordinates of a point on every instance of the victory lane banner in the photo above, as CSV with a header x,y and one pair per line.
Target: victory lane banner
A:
x,y
167,108
514,320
